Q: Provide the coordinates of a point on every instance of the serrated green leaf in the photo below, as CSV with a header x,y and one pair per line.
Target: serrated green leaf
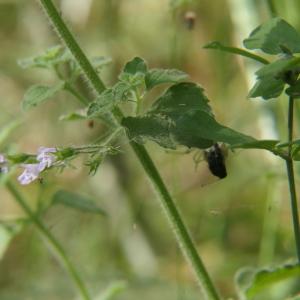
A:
x,y
49,58
77,201
136,65
278,67
263,279
37,94
155,77
272,35
182,116
109,99
218,46
75,116
267,88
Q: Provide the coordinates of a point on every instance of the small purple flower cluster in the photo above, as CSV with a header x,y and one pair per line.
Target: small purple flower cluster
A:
x,y
3,164
45,158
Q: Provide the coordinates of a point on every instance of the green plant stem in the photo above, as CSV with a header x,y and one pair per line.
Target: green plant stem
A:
x,y
272,8
52,241
175,220
291,177
180,230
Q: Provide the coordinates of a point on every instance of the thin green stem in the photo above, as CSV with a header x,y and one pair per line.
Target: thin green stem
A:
x,y
67,37
272,8
180,230
52,241
174,217
291,177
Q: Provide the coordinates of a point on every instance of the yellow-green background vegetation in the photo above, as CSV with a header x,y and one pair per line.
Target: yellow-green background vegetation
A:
x,y
243,220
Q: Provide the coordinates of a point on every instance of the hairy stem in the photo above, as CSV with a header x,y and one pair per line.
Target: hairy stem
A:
x,y
291,177
181,233
51,240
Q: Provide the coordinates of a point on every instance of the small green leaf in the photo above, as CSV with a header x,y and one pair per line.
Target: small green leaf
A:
x,y
267,88
94,163
109,99
159,76
272,35
218,46
77,201
136,65
37,94
263,279
182,116
51,57
75,116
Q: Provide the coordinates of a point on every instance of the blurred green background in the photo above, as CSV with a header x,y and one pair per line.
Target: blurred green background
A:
x,y
243,220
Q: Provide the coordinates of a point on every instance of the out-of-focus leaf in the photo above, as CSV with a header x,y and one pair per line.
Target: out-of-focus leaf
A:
x,y
112,290
267,88
272,35
218,46
259,280
182,116
37,94
77,201
74,116
155,77
51,57
7,233
7,130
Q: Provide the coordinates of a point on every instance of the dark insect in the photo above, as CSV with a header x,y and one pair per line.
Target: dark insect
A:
x,y
216,161
189,20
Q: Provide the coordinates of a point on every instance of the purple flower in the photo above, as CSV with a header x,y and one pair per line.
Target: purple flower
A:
x,y
3,164
30,174
45,158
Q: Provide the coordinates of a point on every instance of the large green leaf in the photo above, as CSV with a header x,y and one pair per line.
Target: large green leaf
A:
x,y
155,77
182,116
272,36
37,94
278,67
77,201
267,88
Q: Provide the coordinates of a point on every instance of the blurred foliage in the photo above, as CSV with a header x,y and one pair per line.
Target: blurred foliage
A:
x,y
228,218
